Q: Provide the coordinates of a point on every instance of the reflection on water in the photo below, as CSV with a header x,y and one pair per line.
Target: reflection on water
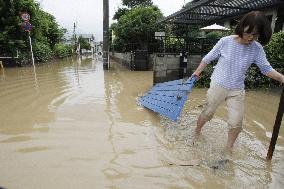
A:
x,y
71,119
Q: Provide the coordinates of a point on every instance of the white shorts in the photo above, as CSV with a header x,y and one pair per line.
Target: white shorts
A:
x,y
235,101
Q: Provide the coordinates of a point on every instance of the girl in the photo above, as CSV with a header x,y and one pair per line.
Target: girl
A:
x,y
236,53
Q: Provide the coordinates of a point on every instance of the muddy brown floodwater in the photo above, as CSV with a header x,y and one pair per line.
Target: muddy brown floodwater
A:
x,y
71,124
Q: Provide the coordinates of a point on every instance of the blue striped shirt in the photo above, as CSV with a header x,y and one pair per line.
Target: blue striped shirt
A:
x,y
234,60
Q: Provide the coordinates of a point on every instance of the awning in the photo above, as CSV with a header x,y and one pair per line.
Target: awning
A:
x,y
210,11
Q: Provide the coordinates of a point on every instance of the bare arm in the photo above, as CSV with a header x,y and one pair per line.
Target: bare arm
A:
x,y
276,76
200,68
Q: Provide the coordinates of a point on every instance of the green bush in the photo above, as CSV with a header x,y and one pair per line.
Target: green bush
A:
x,y
275,54
24,57
275,48
62,50
204,80
42,52
117,45
214,35
254,78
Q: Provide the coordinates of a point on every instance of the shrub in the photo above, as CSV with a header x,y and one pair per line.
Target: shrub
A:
x,y
24,57
275,48
204,80
275,55
62,50
214,35
254,78
117,45
42,52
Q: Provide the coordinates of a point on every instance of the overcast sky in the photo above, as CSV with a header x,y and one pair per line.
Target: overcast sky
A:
x,y
89,13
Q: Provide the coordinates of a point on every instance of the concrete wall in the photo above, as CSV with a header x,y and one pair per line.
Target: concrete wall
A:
x,y
165,66
122,58
194,61
137,64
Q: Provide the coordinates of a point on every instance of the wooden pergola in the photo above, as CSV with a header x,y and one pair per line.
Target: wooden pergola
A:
x,y
209,11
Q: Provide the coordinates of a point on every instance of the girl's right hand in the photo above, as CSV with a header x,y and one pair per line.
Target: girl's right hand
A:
x,y
196,75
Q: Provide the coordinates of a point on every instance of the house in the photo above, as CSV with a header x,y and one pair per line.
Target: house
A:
x,y
91,40
99,47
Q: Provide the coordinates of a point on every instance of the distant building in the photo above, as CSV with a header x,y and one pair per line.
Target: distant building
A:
x,y
68,38
90,37
91,40
98,47
95,46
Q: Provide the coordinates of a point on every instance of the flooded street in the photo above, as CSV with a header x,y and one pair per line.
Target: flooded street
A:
x,y
71,124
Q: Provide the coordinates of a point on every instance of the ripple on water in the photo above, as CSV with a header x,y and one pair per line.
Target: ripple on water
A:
x,y
245,166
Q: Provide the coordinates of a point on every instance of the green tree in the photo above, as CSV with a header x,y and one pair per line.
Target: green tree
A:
x,y
130,4
275,48
191,2
62,50
50,31
120,12
137,25
136,3
11,35
45,32
185,31
84,44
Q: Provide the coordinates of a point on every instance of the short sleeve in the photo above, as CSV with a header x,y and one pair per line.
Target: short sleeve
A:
x,y
262,62
214,53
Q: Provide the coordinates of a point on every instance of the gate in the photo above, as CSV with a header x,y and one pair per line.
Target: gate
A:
x,y
139,60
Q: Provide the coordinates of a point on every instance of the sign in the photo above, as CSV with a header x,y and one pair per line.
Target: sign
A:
x,y
25,17
159,35
26,26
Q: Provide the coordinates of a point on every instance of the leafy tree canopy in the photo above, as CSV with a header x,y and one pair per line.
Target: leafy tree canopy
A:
x,y
45,29
185,31
84,43
120,12
137,25
136,3
113,26
191,2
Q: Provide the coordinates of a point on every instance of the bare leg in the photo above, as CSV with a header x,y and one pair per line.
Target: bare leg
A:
x,y
200,123
232,136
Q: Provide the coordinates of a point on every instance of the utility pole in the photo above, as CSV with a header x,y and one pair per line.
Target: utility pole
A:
x,y
74,38
106,34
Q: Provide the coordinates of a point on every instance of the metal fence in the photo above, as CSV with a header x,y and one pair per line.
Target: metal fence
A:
x,y
171,45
